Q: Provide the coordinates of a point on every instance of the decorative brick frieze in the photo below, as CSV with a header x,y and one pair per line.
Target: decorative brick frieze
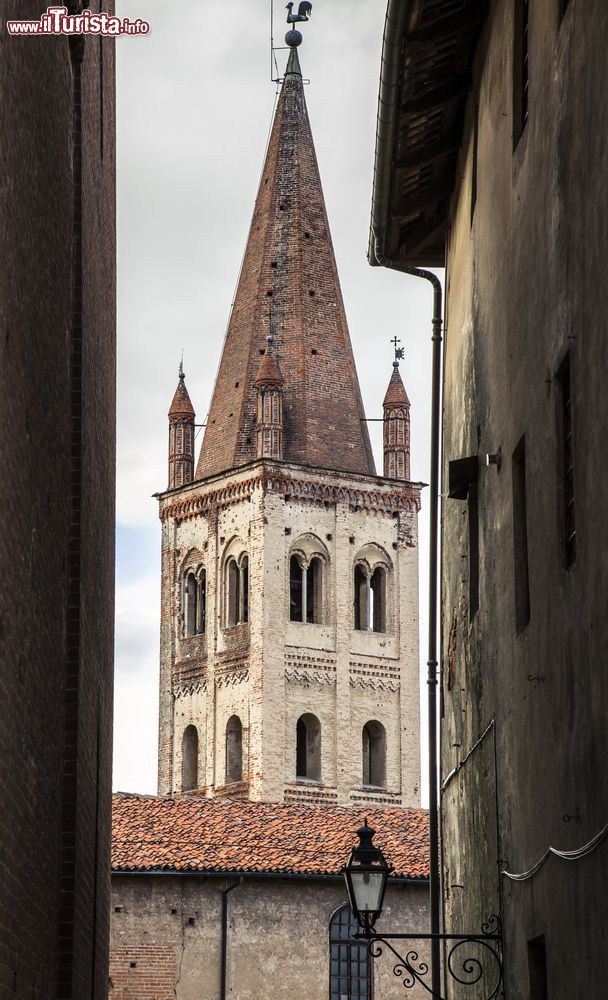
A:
x,y
374,684
185,689
307,678
229,678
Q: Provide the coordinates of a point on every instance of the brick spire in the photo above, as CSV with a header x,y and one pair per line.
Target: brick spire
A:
x,y
396,428
289,265
181,435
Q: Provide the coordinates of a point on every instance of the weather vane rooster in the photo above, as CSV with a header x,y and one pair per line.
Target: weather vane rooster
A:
x,y
304,12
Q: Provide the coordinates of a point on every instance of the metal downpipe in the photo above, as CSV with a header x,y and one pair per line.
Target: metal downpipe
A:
x,y
433,606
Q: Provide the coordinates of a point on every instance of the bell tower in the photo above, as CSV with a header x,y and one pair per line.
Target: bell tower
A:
x,y
289,626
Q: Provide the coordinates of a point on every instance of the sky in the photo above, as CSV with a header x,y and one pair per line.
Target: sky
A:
x,y
194,107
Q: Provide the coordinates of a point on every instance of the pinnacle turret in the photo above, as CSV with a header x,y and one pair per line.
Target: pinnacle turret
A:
x,y
181,435
396,427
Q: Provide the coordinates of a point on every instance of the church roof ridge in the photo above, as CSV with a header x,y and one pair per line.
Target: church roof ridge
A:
x,y
192,834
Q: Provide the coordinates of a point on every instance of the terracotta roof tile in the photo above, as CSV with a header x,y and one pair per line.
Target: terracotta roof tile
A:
x,y
221,835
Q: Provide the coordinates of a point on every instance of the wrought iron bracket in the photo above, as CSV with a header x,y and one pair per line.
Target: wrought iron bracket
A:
x,y
470,959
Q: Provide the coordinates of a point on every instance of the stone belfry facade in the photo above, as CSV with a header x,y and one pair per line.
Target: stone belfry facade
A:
x,y
289,626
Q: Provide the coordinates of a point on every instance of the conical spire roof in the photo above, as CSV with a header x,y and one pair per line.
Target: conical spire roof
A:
x,y
395,393
181,407
289,268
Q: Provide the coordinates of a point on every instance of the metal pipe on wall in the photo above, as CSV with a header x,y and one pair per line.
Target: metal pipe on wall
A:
x,y
433,604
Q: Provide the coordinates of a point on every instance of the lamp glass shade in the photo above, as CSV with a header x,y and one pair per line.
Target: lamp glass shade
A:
x,y
368,890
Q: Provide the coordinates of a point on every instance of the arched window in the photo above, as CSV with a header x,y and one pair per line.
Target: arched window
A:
x,y
201,603
350,973
234,750
374,754
232,592
190,599
308,748
190,759
195,602
378,599
306,590
237,591
370,598
244,590
296,603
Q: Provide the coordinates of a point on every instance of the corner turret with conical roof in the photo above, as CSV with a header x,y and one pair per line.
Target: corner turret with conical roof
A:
x,y
396,428
181,435
289,630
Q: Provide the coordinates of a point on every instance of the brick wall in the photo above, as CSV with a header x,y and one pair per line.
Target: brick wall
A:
x,y
56,548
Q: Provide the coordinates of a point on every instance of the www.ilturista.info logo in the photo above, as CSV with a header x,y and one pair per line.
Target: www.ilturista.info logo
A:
x,y
57,21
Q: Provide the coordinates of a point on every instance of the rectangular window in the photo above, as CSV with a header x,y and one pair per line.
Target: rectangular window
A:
x,y
521,67
520,538
566,468
537,968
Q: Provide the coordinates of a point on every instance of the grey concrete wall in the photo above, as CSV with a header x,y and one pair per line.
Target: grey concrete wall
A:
x,y
166,937
525,285
57,332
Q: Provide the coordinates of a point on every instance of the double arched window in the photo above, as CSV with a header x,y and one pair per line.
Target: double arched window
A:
x,y
306,590
190,759
308,748
374,754
371,582
236,590
234,750
350,972
308,562
195,602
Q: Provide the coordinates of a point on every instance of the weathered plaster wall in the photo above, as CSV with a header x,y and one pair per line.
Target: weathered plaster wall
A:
x,y
166,937
270,671
525,286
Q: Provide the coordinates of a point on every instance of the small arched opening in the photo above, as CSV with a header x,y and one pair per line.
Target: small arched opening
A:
x,y
374,754
190,759
234,750
308,748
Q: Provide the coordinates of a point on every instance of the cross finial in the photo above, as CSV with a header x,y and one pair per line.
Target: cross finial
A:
x,y
399,351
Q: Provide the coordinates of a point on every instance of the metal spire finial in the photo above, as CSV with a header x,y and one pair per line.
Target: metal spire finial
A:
x,y
399,351
181,367
293,38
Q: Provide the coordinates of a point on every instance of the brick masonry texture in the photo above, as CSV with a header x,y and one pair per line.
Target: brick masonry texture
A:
x,y
289,268
194,834
57,457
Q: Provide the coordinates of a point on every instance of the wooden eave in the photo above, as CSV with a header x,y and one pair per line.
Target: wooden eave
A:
x,y
427,59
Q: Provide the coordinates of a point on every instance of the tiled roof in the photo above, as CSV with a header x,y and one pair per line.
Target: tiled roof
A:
x,y
220,835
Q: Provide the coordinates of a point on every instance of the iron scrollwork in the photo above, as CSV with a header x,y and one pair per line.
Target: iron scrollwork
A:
x,y
481,965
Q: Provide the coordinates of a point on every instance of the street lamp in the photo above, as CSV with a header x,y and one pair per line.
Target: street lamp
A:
x,y
472,961
366,875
